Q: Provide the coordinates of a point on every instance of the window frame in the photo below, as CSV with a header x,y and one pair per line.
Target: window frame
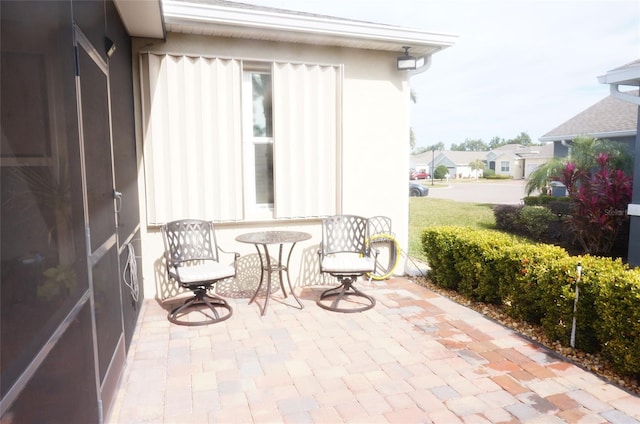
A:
x,y
254,210
199,99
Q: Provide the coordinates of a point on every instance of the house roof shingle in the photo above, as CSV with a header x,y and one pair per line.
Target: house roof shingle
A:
x,y
609,117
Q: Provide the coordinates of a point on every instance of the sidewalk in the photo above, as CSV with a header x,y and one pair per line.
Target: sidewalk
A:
x,y
415,357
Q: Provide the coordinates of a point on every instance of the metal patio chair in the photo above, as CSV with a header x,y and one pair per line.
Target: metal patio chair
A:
x,y
193,261
346,254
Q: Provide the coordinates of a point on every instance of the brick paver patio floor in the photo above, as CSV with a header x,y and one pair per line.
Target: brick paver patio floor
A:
x,y
416,357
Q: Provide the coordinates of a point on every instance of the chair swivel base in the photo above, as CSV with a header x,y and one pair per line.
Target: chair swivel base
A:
x,y
330,299
213,308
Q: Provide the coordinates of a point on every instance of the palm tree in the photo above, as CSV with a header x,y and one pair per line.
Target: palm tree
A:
x,y
584,152
477,165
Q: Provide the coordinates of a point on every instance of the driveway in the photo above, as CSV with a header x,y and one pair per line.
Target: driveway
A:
x,y
508,192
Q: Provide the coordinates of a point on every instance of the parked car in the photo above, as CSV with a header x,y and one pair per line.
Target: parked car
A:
x,y
419,175
418,190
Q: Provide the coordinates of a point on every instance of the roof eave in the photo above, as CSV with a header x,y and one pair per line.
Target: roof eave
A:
x,y
142,18
623,76
628,75
278,26
608,134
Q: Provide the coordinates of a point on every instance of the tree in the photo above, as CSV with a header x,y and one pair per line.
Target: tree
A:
x,y
523,139
596,174
599,198
471,146
584,154
477,165
437,147
441,172
496,142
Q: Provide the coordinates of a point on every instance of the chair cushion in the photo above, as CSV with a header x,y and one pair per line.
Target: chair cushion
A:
x,y
204,272
347,264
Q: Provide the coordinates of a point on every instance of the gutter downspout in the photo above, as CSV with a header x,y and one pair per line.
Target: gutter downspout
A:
x,y
614,89
426,65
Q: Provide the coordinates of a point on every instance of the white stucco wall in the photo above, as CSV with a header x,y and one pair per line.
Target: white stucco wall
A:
x,y
374,151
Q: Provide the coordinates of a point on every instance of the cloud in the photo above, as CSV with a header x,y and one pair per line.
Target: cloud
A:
x,y
518,66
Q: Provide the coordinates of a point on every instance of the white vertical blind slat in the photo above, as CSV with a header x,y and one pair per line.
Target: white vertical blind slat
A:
x,y
305,139
192,168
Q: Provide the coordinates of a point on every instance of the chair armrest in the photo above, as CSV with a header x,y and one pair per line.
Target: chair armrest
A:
x,y
320,256
236,256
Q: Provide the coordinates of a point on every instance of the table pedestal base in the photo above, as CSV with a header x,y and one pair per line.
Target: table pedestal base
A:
x,y
269,267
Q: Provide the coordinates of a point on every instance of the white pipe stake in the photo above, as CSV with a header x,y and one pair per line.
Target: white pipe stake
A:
x,y
575,307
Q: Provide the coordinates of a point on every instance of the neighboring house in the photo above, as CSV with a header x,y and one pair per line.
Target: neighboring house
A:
x,y
612,118
512,160
424,161
532,157
458,163
504,161
518,161
629,76
253,117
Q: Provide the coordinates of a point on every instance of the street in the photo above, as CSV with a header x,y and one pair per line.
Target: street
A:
x,y
508,192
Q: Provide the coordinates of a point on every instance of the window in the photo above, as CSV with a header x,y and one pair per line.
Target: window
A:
x,y
504,166
229,140
258,143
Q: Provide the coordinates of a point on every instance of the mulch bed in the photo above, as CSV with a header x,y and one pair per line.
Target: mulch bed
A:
x,y
592,362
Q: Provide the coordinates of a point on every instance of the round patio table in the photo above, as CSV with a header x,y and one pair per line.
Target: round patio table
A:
x,y
263,239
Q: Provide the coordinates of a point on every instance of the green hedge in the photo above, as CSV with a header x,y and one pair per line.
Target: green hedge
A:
x,y
537,283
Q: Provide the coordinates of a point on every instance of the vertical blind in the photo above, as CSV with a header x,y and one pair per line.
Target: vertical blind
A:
x,y
306,135
192,138
192,117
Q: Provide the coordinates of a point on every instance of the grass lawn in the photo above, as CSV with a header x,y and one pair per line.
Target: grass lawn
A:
x,y
428,212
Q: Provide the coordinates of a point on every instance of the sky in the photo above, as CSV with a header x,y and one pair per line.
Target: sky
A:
x,y
517,66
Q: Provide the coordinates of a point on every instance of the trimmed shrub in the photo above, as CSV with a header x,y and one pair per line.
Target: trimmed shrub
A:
x,y
539,200
520,273
558,286
476,259
560,206
535,220
439,246
537,283
440,172
495,176
507,217
618,328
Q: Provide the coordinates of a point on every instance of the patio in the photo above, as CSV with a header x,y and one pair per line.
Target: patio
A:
x,y
415,357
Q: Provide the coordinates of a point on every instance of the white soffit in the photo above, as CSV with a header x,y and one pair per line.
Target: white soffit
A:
x,y
142,18
625,75
255,24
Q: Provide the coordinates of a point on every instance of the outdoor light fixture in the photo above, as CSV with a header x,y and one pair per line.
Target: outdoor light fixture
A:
x,y
109,46
406,62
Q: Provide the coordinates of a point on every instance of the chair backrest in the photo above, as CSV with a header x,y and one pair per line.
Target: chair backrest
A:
x,y
379,225
345,234
189,240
